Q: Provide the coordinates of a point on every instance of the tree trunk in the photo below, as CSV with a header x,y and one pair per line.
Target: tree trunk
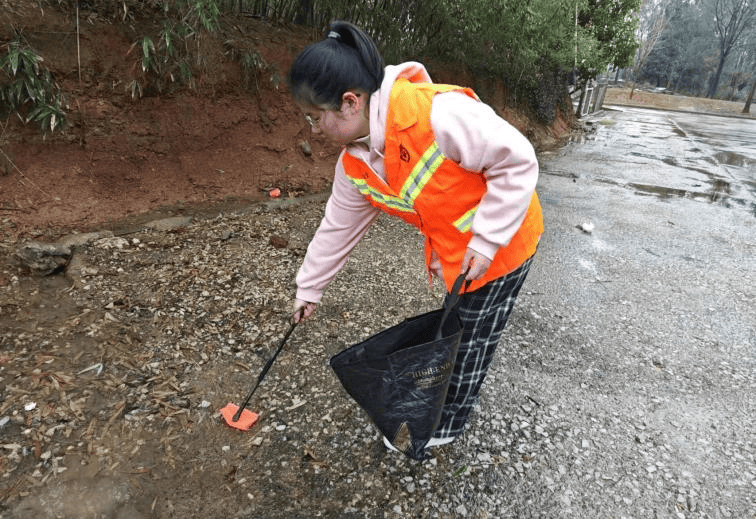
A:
x,y
579,109
747,107
714,85
303,15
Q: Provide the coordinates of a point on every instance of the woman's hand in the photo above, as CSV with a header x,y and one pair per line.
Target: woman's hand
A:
x,y
477,264
303,310
434,267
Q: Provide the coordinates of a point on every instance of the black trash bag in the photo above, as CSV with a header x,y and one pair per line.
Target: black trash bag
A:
x,y
401,375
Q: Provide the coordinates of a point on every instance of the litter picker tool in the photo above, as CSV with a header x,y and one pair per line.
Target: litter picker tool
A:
x,y
241,418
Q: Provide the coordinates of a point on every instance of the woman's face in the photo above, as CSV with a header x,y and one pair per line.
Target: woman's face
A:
x,y
342,126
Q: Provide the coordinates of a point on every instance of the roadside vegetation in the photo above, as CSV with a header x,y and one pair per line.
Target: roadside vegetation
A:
x,y
28,89
531,50
704,48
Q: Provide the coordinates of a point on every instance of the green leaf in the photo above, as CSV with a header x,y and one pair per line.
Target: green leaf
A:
x,y
18,91
13,59
136,89
167,36
186,72
461,470
147,46
34,114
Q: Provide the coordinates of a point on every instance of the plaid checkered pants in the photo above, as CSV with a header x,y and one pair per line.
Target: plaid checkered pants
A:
x,y
484,313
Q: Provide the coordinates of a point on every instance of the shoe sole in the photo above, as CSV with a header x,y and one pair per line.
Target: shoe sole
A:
x,y
434,442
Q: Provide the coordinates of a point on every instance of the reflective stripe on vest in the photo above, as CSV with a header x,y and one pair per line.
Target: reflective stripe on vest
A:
x,y
389,201
464,222
421,173
413,186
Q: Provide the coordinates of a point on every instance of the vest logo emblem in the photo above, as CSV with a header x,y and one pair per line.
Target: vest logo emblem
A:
x,y
404,155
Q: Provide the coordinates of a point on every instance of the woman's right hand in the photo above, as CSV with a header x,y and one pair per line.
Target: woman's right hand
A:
x,y
434,267
301,315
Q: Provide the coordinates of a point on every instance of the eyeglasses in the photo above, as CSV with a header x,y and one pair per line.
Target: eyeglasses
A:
x,y
312,120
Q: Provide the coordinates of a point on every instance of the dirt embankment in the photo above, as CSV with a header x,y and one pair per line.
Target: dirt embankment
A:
x,y
218,144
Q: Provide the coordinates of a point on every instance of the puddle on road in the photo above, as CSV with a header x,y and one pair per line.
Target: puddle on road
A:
x,y
733,159
719,189
649,156
659,191
718,159
699,170
720,192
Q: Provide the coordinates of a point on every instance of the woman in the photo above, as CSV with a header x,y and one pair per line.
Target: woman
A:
x,y
441,160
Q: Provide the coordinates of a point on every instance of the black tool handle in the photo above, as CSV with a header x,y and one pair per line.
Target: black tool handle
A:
x,y
265,369
451,302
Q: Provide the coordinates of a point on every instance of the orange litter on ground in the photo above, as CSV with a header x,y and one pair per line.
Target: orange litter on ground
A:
x,y
246,420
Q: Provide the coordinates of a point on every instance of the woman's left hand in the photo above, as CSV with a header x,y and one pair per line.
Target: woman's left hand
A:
x,y
477,264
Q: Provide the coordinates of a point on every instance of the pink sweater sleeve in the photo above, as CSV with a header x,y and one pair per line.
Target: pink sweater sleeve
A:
x,y
470,133
348,215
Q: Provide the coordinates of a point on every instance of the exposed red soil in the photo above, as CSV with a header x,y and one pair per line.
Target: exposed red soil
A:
x,y
122,159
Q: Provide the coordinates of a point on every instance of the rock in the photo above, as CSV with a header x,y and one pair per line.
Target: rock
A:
x,y
586,227
43,259
112,242
75,270
170,224
79,239
278,242
306,148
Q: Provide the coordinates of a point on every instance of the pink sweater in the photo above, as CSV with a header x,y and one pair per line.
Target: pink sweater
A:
x,y
468,132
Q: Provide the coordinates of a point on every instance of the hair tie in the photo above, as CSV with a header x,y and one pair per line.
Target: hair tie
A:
x,y
334,35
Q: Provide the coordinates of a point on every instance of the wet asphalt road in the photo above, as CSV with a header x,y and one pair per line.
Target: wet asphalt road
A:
x,y
670,156
671,198
653,311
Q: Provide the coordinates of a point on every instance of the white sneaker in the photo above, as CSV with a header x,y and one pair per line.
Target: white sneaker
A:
x,y
435,442
388,445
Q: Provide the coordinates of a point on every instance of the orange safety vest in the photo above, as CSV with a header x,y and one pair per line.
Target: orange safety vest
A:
x,y
433,193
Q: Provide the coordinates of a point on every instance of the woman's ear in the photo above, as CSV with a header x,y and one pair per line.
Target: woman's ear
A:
x,y
353,101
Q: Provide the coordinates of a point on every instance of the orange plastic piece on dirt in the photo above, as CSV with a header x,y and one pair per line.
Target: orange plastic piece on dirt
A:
x,y
275,193
246,420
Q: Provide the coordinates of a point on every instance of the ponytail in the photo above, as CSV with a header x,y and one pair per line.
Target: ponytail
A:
x,y
347,59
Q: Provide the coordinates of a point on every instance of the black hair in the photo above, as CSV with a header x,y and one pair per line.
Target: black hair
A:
x,y
347,59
